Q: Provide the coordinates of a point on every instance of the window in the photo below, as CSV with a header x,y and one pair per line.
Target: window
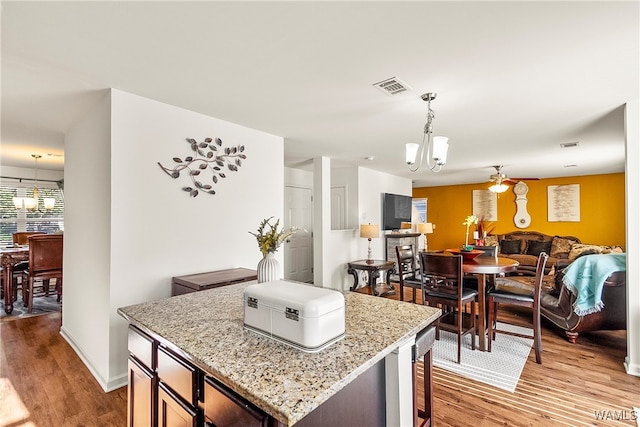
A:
x,y
13,220
419,210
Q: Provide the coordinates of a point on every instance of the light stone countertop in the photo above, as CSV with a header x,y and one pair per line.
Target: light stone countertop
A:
x,y
207,328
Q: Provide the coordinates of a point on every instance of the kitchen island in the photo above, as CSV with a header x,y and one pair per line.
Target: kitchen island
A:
x,y
370,368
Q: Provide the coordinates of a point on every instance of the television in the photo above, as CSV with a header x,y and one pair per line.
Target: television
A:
x,y
396,209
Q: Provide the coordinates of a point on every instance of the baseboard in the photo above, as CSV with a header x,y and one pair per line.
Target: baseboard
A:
x,y
107,385
631,368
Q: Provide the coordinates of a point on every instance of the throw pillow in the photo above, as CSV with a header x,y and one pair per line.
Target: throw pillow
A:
x,y
560,247
611,249
557,282
491,240
534,247
578,250
510,246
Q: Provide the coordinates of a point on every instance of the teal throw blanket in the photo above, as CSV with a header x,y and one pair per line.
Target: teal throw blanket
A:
x,y
585,278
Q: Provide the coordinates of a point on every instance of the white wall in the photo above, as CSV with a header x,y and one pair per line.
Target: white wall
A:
x,y
632,179
87,239
365,187
346,245
155,230
372,185
298,178
348,178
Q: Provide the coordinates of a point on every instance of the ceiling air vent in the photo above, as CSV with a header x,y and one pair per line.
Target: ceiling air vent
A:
x,y
569,144
392,86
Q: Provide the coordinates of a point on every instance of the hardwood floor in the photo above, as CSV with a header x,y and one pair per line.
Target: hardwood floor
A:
x,y
573,382
43,383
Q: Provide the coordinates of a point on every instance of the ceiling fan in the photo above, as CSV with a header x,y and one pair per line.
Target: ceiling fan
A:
x,y
500,180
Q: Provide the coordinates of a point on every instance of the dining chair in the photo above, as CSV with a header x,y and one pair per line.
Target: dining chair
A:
x,y
508,293
22,237
45,263
471,280
408,271
441,276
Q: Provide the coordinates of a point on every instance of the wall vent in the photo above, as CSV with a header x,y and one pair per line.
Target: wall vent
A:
x,y
569,144
392,86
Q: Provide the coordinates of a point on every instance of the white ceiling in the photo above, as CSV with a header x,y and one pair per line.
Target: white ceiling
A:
x,y
514,79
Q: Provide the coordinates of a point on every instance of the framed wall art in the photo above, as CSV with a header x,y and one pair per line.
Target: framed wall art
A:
x,y
485,205
563,203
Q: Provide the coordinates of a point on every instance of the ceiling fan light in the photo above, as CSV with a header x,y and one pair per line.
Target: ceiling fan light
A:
x,y
440,148
499,188
411,151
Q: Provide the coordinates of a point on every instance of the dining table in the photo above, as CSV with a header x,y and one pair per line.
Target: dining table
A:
x,y
9,257
481,266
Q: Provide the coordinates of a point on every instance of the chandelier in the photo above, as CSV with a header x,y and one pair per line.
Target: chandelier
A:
x,y
436,146
31,203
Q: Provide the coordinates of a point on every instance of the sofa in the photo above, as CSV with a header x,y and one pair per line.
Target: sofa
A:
x,y
557,301
525,246
557,306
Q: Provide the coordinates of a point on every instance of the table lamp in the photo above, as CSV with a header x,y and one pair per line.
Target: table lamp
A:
x,y
369,231
425,228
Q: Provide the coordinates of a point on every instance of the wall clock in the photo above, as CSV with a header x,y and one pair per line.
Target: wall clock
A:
x,y
521,219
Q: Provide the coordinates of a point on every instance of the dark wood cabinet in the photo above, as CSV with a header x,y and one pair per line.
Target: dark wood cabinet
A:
x,y
213,279
166,390
223,408
140,405
179,375
173,412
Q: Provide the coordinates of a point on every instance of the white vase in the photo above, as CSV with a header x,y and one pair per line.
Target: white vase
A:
x,y
268,268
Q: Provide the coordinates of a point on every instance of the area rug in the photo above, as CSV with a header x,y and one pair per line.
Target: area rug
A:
x,y
41,305
500,368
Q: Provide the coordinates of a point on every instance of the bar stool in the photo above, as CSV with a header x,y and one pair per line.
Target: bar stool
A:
x,y
422,348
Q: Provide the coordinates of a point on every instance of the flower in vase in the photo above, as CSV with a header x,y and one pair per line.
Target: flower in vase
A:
x,y
269,238
470,220
484,227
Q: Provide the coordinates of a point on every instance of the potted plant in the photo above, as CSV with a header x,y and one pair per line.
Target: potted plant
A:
x,y
269,240
483,227
470,220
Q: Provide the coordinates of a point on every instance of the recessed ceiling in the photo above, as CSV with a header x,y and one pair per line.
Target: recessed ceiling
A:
x,y
514,79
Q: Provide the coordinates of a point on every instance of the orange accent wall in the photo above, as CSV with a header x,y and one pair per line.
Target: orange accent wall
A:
x,y
602,210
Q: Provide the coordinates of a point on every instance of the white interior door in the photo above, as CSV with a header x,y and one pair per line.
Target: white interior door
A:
x,y
338,208
298,251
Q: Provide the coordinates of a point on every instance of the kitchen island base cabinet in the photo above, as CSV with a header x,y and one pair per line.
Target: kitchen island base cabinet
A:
x,y
143,382
172,412
224,408
359,403
142,386
354,382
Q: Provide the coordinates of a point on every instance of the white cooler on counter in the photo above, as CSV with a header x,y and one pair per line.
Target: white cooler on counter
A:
x,y
303,316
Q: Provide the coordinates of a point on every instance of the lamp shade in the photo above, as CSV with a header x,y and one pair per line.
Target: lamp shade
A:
x,y
499,188
30,203
49,202
369,231
425,228
411,151
440,148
